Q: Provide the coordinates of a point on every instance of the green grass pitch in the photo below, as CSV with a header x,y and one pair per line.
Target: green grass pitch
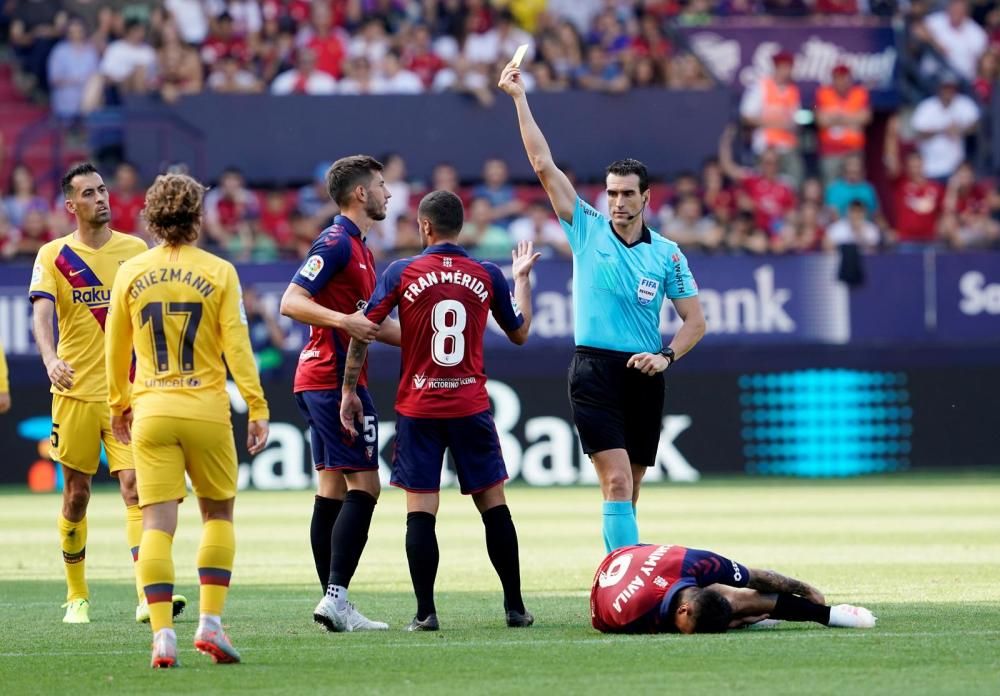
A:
x,y
922,552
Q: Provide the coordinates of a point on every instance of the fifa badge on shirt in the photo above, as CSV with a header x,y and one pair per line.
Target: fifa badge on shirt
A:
x,y
312,267
647,290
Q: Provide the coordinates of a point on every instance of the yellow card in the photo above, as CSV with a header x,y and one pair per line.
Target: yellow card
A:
x,y
519,55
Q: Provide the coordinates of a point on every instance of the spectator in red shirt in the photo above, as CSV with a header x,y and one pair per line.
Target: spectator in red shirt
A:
x,y
223,42
917,200
127,199
966,223
275,219
419,55
231,211
764,194
324,39
718,198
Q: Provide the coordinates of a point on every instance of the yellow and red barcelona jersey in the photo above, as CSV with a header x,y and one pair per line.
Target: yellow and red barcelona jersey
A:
x,y
182,310
78,280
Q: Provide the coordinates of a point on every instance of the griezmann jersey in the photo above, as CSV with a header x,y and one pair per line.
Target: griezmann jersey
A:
x,y
634,586
444,298
339,273
618,289
182,310
78,279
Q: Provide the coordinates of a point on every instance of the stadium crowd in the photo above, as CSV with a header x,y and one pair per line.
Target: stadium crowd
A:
x,y
84,55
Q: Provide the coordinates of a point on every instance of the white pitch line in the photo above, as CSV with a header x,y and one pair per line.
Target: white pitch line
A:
x,y
459,643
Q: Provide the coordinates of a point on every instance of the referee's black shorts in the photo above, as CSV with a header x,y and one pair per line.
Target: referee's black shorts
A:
x,y
615,406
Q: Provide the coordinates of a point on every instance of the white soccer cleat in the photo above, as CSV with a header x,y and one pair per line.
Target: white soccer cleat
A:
x,y
850,616
215,643
164,649
346,620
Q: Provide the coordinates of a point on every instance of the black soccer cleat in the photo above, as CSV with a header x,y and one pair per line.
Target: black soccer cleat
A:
x,y
428,624
516,619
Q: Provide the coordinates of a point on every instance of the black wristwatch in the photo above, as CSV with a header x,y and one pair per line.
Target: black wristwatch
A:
x,y
668,353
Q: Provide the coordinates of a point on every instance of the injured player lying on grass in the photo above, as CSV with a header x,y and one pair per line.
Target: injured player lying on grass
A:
x,y
651,588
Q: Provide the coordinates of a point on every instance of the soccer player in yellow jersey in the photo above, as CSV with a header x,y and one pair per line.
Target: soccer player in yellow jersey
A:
x,y
72,280
4,385
180,308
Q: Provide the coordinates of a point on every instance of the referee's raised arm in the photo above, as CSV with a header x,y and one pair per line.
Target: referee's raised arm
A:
x,y
556,183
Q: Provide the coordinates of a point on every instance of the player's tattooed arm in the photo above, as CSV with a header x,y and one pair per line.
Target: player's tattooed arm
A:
x,y
770,581
351,410
357,351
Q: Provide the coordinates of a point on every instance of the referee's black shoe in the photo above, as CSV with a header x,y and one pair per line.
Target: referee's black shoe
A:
x,y
516,619
428,624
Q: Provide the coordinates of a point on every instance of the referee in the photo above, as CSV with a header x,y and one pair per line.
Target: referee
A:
x,y
622,272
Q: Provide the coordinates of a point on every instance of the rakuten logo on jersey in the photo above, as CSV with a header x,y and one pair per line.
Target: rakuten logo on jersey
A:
x,y
978,296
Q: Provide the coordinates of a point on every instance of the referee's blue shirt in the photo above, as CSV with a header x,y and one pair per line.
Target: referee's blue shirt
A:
x,y
618,289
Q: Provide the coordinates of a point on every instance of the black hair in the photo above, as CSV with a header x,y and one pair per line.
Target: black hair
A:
x,y
857,203
627,166
79,169
712,612
347,173
443,209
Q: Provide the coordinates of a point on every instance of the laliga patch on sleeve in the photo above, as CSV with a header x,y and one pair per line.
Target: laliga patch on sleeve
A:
x,y
312,267
36,274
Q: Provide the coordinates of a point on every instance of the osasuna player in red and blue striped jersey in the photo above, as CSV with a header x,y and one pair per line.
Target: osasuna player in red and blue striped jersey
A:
x,y
445,298
328,292
649,588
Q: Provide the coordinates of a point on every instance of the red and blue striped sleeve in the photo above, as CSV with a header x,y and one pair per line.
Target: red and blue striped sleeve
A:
x,y
708,567
328,256
386,295
503,306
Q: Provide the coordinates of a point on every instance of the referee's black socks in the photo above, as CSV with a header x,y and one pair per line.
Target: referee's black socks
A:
x,y
422,556
350,534
501,544
325,511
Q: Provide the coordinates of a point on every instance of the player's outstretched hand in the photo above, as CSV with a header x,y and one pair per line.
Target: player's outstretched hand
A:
x,y
351,411
121,427
510,81
257,431
648,363
358,327
60,374
524,257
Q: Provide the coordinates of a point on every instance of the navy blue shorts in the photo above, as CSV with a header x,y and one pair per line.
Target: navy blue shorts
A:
x,y
420,446
332,447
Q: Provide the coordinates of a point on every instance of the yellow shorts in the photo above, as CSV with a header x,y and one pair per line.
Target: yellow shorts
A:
x,y
78,428
164,448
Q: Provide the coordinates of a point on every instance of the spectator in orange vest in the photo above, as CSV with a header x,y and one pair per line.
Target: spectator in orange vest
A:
x,y
770,107
842,113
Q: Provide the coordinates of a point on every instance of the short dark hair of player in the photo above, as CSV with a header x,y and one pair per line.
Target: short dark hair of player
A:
x,y
347,173
711,612
79,169
443,209
173,208
624,167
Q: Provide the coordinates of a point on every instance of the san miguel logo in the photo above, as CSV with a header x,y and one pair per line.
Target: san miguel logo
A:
x,y
87,287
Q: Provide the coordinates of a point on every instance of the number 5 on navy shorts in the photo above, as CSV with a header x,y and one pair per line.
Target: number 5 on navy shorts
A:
x,y
420,446
332,447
